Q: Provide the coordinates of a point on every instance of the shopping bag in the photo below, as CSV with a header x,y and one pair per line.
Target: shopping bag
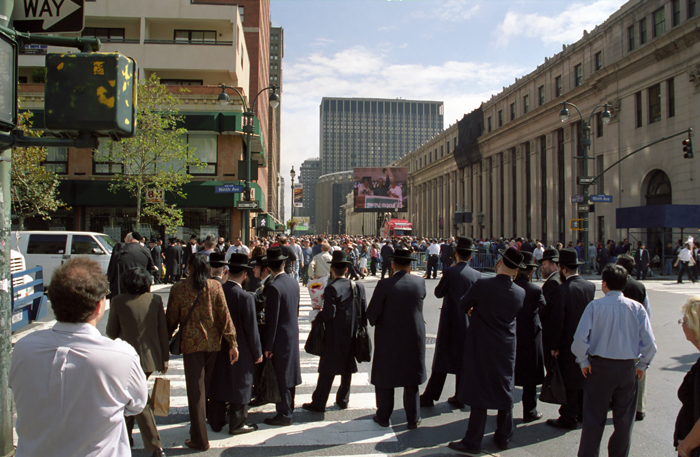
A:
x,y
316,289
553,390
314,342
162,273
269,389
160,398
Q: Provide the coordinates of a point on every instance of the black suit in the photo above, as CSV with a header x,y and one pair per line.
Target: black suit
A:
x,y
396,311
173,264
158,262
641,261
133,255
186,253
549,289
603,258
386,252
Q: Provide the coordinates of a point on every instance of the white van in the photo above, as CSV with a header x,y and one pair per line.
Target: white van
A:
x,y
51,248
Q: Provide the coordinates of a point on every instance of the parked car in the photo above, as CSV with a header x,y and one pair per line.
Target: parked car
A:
x,y
51,248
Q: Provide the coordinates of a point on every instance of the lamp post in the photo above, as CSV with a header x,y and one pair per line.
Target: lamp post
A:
x,y
291,225
586,143
248,129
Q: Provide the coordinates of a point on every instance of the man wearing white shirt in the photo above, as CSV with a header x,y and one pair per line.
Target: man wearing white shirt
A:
x,y
432,252
71,385
685,257
238,248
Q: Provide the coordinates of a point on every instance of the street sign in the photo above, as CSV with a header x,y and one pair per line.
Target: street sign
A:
x,y
41,16
583,208
248,205
154,196
577,199
228,189
577,224
585,180
601,198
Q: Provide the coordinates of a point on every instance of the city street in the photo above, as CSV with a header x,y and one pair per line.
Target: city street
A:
x,y
352,431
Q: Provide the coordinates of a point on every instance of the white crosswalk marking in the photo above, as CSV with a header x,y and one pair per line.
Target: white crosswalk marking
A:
x,y
308,428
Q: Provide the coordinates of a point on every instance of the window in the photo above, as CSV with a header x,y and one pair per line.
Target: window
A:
x,y
512,111
691,8
599,125
84,244
671,96
654,103
638,109
643,31
103,162
195,36
540,95
241,12
500,118
630,38
526,104
442,151
558,88
104,33
598,60
488,121
578,75
676,9
56,160
46,244
448,146
182,82
659,22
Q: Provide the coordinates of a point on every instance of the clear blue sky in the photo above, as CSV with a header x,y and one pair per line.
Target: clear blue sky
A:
x,y
457,51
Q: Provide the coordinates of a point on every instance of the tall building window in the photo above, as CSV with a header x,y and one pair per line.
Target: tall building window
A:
x,y
598,60
671,96
488,122
206,151
104,33
638,109
643,31
241,12
442,151
103,162
630,38
512,111
500,118
526,104
578,75
676,9
195,36
654,103
558,88
659,22
448,146
56,160
540,95
691,8
599,125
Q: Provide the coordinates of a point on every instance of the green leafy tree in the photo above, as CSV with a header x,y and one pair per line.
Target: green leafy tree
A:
x,y
155,158
34,188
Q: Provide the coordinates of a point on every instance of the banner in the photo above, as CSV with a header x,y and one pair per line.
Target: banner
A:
x,y
380,189
302,223
298,195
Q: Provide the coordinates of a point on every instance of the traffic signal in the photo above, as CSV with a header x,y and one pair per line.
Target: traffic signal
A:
x,y
688,148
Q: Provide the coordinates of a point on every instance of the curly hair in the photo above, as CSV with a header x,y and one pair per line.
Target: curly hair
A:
x,y
136,281
76,289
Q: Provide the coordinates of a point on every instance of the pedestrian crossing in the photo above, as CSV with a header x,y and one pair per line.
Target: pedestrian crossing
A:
x,y
334,428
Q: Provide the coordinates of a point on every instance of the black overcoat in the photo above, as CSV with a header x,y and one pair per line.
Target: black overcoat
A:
x,y
173,260
549,289
489,351
156,256
281,336
529,355
340,316
449,346
234,383
570,301
396,311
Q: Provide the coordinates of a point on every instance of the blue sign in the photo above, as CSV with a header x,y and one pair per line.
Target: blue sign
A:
x,y
601,198
577,199
229,189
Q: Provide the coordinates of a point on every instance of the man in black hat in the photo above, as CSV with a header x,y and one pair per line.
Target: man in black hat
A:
x,y
340,314
232,384
190,249
449,347
157,256
574,294
489,353
281,337
257,283
549,272
386,252
529,356
396,311
173,261
218,263
446,255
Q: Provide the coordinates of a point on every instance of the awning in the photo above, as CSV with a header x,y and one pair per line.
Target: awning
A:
x,y
401,224
658,216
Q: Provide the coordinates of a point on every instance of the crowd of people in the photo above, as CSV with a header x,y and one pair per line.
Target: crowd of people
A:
x,y
235,309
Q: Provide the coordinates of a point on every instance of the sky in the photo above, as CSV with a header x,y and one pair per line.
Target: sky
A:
x,y
460,52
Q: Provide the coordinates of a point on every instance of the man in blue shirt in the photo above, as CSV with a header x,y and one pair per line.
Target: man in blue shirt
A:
x,y
613,332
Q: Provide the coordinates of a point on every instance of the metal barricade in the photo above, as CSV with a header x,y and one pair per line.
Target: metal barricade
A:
x,y
483,261
28,300
418,262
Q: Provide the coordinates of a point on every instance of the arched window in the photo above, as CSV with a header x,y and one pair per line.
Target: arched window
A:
x,y
658,189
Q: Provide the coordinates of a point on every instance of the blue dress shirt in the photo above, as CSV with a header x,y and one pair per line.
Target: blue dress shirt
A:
x,y
614,327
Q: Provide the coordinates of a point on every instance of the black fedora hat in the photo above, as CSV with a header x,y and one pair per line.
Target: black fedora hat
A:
x,y
340,259
217,260
550,254
274,255
239,260
464,243
528,259
259,261
569,257
402,256
512,258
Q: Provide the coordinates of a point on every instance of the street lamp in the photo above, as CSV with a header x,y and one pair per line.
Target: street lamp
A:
x,y
586,143
293,174
248,129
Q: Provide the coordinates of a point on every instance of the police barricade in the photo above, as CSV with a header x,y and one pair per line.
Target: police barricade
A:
x,y
418,262
28,300
483,261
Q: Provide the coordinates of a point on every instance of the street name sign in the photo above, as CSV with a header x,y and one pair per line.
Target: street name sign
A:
x,y
601,198
228,189
44,16
583,208
585,180
248,205
577,199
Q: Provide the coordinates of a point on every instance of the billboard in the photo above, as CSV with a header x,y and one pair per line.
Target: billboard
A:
x,y
380,189
298,195
302,223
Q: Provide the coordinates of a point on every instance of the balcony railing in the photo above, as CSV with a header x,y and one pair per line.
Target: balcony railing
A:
x,y
206,43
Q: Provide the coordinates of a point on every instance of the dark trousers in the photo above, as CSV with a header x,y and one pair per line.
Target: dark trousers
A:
x,y
432,266
477,426
685,267
217,411
147,426
171,278
446,262
608,379
568,413
641,270
198,370
386,268
352,272
435,385
529,400
285,408
373,266
385,403
323,390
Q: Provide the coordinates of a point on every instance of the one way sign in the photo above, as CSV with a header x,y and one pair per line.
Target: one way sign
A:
x,y
40,16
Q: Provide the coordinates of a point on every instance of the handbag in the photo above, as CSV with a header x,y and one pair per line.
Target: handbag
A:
x,y
160,398
362,345
314,342
176,340
269,389
553,390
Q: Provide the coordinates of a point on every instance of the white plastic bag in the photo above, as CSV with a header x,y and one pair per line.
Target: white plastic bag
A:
x,y
316,289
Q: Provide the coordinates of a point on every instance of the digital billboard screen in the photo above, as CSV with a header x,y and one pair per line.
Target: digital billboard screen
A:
x,y
380,189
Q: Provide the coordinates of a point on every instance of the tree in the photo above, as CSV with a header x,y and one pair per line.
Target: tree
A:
x,y
156,157
34,188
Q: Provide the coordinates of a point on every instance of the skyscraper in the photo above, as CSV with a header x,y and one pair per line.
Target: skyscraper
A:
x,y
364,132
310,172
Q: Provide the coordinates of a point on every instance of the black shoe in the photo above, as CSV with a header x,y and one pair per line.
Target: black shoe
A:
x,y
314,408
426,402
342,404
243,429
459,447
455,402
215,429
414,425
532,417
255,402
277,421
375,418
501,444
557,423
158,453
640,416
